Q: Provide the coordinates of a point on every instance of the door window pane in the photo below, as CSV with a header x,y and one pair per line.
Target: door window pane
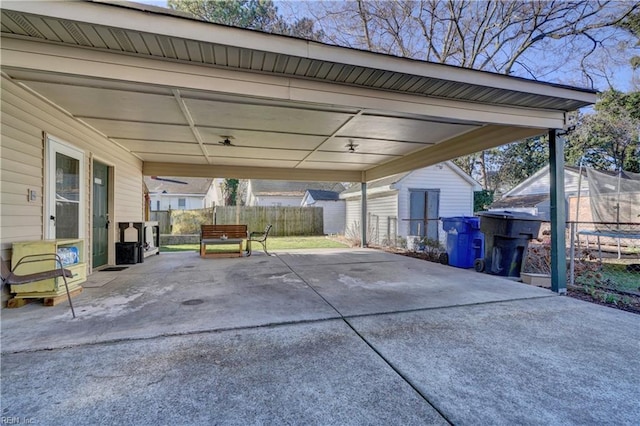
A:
x,y
67,196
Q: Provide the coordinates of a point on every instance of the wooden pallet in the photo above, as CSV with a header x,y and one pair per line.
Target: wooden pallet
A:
x,y
18,302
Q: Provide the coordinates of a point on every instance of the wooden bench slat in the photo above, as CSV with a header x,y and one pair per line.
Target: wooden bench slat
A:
x,y
212,234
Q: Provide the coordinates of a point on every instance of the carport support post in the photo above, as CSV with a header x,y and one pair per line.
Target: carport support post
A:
x,y
558,213
363,214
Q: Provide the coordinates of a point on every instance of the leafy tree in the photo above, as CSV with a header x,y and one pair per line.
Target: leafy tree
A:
x,y
230,191
259,15
482,200
609,138
517,161
632,24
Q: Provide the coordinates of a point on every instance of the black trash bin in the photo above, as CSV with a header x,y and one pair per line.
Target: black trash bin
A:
x,y
127,253
506,238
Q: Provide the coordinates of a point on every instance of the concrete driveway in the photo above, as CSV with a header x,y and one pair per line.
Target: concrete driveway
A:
x,y
317,337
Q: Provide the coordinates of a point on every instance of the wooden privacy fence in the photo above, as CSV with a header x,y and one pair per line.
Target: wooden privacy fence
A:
x,y
286,221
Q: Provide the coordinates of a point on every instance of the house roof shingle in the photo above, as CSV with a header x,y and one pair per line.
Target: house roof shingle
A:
x,y
321,195
177,185
292,189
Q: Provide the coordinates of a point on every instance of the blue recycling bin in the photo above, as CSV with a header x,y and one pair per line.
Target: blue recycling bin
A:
x,y
465,242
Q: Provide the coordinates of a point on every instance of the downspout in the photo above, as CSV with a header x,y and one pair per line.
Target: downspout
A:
x,y
558,213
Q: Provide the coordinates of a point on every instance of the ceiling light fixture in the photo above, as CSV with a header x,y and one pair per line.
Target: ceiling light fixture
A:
x,y
226,141
351,147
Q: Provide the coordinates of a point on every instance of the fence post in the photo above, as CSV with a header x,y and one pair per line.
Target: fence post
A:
x,y
572,254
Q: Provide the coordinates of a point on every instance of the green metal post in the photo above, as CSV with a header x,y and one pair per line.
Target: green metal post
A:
x,y
558,213
363,215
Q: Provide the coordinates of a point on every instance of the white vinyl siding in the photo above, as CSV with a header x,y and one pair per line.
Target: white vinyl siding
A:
x,y
333,216
268,201
541,184
24,119
456,194
381,210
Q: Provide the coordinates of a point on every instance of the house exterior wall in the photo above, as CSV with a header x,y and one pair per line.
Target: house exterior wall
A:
x,y
379,209
456,194
542,183
267,201
333,216
172,201
24,119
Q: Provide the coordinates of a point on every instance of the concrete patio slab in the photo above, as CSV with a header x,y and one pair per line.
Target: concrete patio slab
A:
x,y
318,337
315,374
357,284
546,361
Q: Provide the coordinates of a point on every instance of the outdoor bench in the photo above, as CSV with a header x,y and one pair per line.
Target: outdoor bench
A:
x,y
222,235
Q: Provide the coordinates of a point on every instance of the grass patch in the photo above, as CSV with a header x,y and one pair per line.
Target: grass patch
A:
x,y
273,243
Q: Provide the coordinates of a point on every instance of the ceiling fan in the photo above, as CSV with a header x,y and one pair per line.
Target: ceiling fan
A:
x,y
169,180
226,141
351,146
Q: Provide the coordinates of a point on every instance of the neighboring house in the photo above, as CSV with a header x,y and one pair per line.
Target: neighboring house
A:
x,y
284,193
179,193
532,195
333,208
399,206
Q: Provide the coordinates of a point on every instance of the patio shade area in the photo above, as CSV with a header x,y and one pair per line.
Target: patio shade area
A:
x,y
345,336
169,89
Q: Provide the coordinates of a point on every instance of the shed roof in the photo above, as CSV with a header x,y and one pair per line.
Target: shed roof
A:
x,y
321,195
292,189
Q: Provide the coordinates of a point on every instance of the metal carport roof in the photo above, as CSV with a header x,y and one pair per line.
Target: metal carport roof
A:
x,y
168,88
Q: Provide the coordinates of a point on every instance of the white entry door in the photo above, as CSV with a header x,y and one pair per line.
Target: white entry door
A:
x,y
65,190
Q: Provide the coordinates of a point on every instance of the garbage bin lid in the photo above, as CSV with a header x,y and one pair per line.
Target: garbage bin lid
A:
x,y
510,215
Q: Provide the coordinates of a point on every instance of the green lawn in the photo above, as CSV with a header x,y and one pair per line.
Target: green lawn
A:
x,y
273,243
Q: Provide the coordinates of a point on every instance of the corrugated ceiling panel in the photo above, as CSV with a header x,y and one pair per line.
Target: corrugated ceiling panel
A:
x,y
363,77
123,40
43,28
153,45
269,62
180,48
108,38
207,53
233,57
74,30
220,55
292,65
281,63
406,83
94,38
303,66
246,58
382,79
257,61
148,44
193,48
61,32
391,81
375,76
314,68
334,71
138,43
22,25
344,73
167,47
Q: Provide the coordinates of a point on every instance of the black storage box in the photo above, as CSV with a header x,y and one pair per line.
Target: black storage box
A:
x,y
127,253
